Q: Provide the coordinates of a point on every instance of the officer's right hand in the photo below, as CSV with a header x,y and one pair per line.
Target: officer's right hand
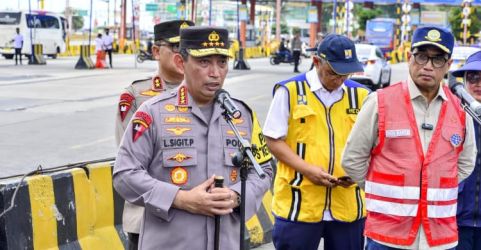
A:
x,y
200,200
318,176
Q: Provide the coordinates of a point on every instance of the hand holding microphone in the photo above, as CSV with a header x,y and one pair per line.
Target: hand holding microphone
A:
x,y
223,97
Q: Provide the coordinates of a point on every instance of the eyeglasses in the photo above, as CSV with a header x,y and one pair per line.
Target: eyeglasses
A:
x,y
473,77
172,46
438,61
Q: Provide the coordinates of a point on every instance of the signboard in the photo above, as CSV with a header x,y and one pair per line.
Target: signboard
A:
x,y
172,8
438,18
243,13
151,7
312,15
82,12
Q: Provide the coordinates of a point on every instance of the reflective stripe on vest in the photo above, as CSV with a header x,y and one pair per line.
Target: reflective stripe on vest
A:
x,y
405,187
387,194
296,198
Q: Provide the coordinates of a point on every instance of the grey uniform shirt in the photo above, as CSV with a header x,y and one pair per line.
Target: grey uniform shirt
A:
x,y
141,91
180,149
364,137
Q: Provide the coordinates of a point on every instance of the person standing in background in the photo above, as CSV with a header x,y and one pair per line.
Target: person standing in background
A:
x,y
169,76
320,36
108,43
18,45
296,47
469,203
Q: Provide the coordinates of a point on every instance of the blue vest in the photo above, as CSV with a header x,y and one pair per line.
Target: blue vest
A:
x,y
469,204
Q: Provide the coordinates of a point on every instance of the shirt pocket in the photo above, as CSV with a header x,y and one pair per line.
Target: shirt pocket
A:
x,y
179,166
453,135
304,118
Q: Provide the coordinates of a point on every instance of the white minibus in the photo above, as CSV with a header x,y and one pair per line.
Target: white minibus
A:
x,y
40,27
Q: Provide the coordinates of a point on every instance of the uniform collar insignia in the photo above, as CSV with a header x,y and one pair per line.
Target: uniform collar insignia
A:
x,y
157,84
183,97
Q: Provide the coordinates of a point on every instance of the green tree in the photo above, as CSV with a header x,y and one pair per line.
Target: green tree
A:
x,y
456,18
284,29
77,22
364,14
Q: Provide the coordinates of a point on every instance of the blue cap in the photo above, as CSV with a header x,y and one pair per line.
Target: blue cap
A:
x,y
340,52
473,63
435,36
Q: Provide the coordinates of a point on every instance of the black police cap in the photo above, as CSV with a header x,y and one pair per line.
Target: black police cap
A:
x,y
169,31
204,41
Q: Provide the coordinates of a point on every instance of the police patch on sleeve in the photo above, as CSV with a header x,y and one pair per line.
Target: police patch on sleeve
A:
x,y
261,152
140,123
125,104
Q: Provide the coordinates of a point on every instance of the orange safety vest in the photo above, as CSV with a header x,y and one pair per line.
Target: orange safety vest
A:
x,y
406,188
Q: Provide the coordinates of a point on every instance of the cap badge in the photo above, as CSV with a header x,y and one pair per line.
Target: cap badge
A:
x,y
184,25
434,36
348,53
214,39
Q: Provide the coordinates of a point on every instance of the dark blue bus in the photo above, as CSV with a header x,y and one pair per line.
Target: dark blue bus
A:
x,y
382,33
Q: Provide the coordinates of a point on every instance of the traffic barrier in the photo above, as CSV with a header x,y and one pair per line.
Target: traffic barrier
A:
x,y
84,61
37,55
260,225
73,209
78,208
100,60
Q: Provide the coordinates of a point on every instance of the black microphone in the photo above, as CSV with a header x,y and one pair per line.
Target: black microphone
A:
x,y
223,97
459,90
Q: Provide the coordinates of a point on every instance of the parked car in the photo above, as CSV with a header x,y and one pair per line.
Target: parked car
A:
x,y
377,71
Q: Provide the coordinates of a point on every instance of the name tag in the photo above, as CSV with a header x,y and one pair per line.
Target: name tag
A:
x,y
398,133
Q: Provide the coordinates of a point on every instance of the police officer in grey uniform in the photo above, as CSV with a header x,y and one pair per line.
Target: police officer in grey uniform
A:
x,y
169,77
177,142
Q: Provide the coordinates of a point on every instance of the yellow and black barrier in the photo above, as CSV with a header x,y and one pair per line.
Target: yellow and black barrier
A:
x,y
72,209
37,55
84,61
78,208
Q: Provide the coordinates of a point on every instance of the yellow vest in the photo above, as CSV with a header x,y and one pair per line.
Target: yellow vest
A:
x,y
318,136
